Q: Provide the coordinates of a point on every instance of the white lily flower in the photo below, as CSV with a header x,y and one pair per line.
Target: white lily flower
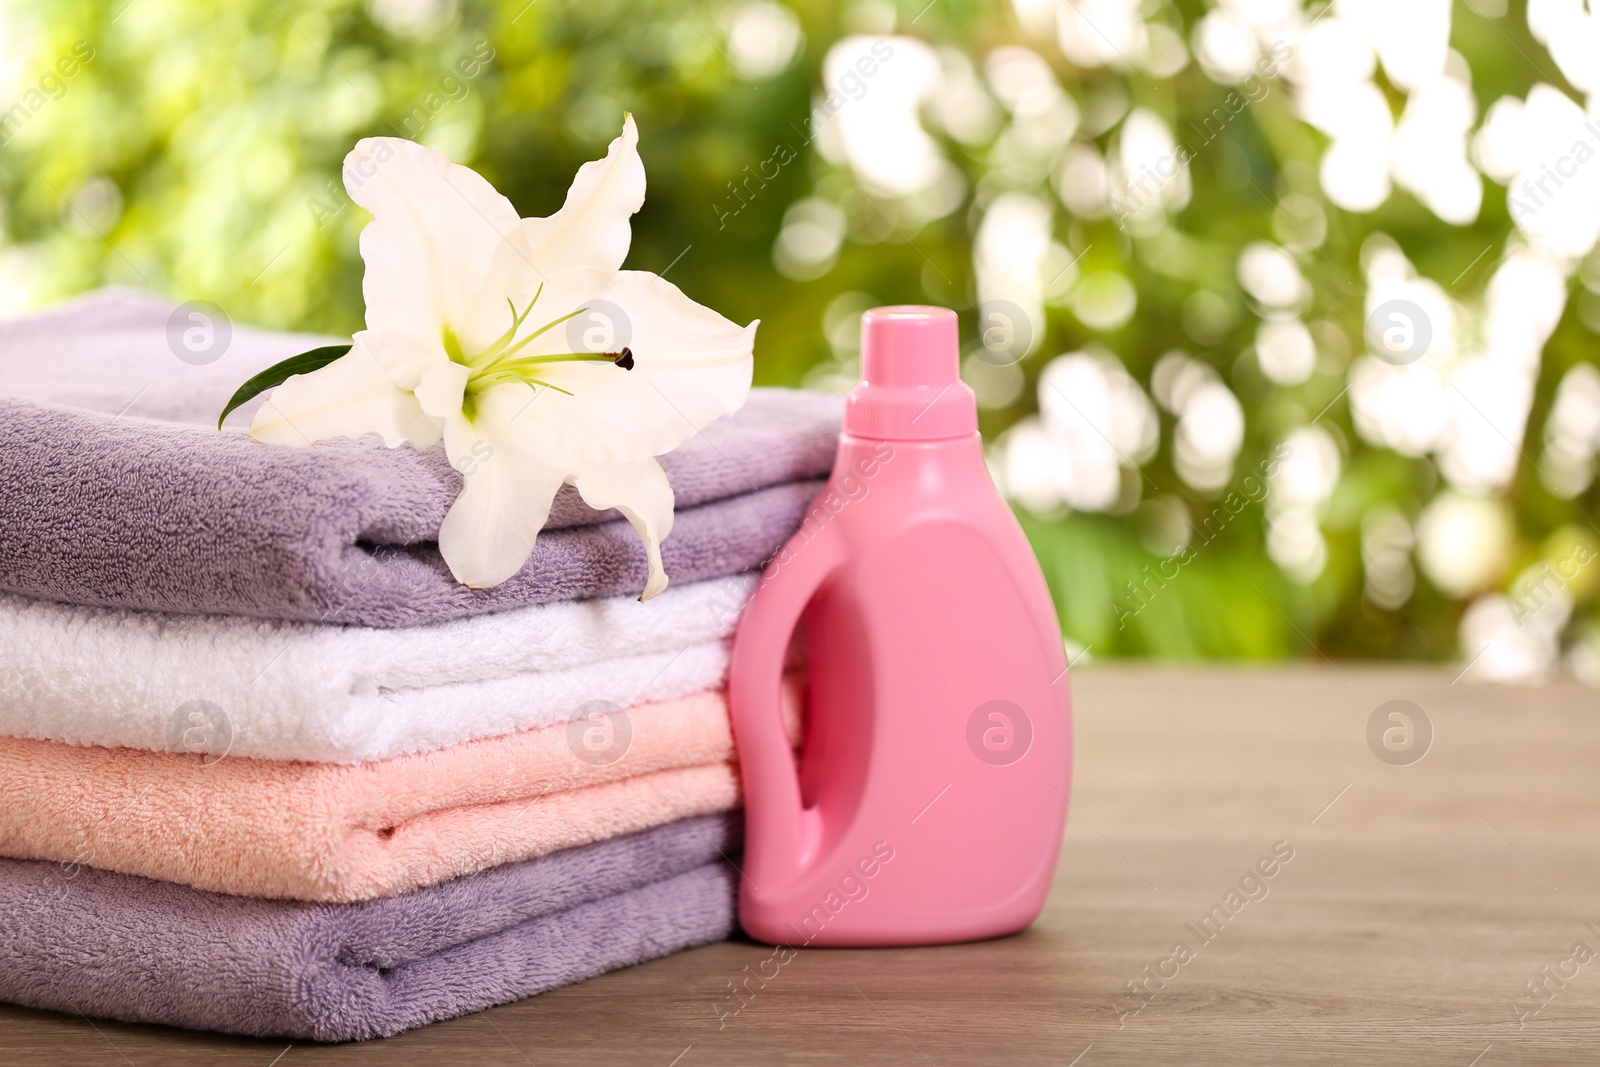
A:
x,y
481,330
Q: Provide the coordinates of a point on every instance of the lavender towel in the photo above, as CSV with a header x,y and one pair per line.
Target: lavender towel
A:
x,y
114,492
87,941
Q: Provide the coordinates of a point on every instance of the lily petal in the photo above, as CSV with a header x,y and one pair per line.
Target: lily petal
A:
x,y
690,367
441,390
506,492
404,357
592,229
350,397
641,492
432,253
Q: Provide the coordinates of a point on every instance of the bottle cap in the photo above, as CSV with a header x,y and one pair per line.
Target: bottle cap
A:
x,y
911,387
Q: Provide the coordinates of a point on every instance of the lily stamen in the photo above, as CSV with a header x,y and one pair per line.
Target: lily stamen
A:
x,y
516,323
623,359
502,356
516,370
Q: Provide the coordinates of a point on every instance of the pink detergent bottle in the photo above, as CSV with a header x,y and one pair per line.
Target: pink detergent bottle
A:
x,y
929,797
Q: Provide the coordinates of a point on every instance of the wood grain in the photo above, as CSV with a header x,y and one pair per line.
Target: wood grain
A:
x,y
1418,902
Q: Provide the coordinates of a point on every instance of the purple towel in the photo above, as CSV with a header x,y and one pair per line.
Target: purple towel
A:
x,y
91,942
113,492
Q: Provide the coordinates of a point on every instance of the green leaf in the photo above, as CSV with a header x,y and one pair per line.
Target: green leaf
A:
x,y
278,373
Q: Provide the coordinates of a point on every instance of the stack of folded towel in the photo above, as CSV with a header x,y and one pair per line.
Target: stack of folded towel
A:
x,y
266,768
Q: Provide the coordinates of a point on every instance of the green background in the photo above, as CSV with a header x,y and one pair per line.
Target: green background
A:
x,y
210,143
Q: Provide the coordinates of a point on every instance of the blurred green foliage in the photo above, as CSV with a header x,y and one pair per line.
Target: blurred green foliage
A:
x,y
198,152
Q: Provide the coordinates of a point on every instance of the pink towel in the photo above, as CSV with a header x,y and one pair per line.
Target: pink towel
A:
x,y
331,832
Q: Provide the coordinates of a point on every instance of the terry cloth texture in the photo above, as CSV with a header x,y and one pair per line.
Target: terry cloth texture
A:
x,y
302,691
80,940
101,505
335,832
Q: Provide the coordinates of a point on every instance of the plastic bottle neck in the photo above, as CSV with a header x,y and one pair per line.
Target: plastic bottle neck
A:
x,y
888,413
911,387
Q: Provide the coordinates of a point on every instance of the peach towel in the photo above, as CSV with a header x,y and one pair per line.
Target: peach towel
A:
x,y
339,832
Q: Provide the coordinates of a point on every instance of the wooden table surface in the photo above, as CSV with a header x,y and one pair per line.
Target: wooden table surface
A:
x,y
1421,899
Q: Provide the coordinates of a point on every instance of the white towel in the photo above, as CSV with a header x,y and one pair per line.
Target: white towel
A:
x,y
345,694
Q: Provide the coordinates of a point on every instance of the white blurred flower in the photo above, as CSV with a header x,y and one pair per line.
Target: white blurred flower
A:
x,y
1583,658
1408,409
1501,144
1296,494
1502,643
1271,275
808,245
22,267
947,193
1429,151
763,37
1355,168
1493,394
1333,69
875,87
1037,17
1544,150
1101,33
1008,255
1165,54
1060,273
1333,51
1094,420
1354,173
961,104
1021,80
412,18
1570,29
1104,33
995,385
1308,472
1083,181
1572,433
1034,467
1209,434
1412,39
1285,351
1468,407
1091,391
1300,222
1175,378
1391,278
1463,542
20,40
1244,37
1523,304
1296,544
1491,402
1043,116
1226,47
1149,174
1266,17
1386,544
1426,153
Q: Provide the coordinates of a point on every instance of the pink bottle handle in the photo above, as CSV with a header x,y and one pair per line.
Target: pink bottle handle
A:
x,y
790,835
